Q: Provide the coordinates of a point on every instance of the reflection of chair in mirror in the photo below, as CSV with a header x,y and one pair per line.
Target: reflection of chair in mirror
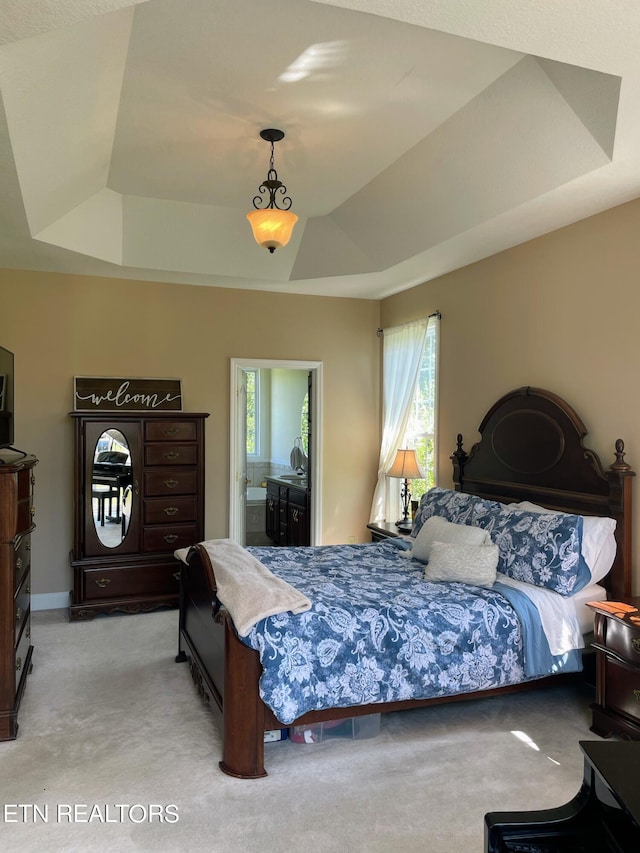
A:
x,y
103,493
127,496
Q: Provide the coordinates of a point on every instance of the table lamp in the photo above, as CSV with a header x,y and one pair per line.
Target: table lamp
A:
x,y
405,467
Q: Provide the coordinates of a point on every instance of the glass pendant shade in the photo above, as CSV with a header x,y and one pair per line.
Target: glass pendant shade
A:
x,y
272,227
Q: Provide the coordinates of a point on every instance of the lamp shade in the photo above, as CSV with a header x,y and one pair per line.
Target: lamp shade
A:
x,y
405,466
272,227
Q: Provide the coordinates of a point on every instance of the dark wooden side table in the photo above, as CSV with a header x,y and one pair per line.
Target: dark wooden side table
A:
x,y
617,645
386,530
604,816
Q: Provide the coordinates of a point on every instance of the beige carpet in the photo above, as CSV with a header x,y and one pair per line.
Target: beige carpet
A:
x,y
109,720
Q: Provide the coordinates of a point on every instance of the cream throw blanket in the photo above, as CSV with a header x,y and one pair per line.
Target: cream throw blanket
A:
x,y
248,590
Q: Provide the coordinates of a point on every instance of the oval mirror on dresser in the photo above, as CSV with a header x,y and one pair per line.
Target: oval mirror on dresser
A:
x,y
111,484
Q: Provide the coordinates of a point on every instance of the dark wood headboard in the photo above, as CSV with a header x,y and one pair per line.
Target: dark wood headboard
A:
x,y
532,449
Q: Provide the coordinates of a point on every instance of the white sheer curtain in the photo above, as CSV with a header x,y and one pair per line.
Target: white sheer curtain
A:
x,y
402,349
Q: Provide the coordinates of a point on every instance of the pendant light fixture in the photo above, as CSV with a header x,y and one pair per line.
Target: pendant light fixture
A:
x,y
272,225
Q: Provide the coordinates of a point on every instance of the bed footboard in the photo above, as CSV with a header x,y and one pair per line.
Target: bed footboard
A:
x,y
225,671
243,710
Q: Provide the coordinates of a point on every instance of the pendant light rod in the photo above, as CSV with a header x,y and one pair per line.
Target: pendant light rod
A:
x,y
272,185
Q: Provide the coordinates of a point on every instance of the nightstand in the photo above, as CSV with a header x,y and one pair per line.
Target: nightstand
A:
x,y
617,645
386,530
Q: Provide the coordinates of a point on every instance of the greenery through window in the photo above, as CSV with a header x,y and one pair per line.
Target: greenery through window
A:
x,y
420,433
253,393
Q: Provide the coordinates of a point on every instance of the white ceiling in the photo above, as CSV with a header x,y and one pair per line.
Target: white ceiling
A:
x,y
420,135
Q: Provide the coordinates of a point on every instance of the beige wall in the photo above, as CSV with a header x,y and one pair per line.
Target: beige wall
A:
x,y
560,312
61,326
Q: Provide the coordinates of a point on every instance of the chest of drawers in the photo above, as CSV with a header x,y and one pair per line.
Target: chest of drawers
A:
x,y
126,563
617,644
16,525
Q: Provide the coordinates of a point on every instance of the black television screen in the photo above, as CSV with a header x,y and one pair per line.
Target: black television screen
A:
x,y
6,397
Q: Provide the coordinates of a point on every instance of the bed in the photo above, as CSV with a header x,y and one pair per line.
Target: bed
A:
x,y
531,450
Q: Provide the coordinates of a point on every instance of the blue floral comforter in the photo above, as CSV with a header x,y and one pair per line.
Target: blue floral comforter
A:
x,y
378,632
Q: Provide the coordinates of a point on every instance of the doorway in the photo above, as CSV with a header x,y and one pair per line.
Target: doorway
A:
x,y
305,372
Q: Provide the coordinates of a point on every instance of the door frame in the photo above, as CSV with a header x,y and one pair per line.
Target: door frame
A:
x,y
237,489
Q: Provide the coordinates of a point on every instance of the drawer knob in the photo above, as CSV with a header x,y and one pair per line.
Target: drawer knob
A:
x,y
171,431
171,484
171,454
635,643
19,614
103,582
170,537
171,510
32,511
19,563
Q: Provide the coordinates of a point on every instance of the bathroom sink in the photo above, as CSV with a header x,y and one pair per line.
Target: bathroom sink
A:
x,y
294,478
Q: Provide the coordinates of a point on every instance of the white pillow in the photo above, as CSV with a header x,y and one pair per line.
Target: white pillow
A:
x,y
598,540
475,564
439,528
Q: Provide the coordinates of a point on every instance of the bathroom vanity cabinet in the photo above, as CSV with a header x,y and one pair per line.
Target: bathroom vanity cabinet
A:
x,y
287,516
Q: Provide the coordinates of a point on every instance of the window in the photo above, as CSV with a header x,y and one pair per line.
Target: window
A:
x,y
252,379
409,403
304,424
420,432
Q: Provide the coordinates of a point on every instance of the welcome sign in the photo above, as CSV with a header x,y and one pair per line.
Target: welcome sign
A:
x,y
117,394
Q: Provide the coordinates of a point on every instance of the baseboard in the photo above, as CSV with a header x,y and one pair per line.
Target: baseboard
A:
x,y
50,601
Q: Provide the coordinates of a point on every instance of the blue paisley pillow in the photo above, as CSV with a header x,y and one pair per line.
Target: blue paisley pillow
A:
x,y
456,507
541,549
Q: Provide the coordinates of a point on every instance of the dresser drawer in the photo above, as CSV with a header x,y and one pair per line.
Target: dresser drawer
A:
x,y
22,653
22,559
170,431
162,510
169,537
123,582
298,497
622,690
24,506
173,482
26,482
623,640
170,454
26,514
22,602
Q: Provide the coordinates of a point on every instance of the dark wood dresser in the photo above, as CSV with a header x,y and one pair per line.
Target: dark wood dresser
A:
x,y
16,524
133,513
617,645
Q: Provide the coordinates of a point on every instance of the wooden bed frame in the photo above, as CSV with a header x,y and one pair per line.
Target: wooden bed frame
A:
x,y
531,449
